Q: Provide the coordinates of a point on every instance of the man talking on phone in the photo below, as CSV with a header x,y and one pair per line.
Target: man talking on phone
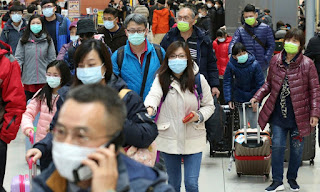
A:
x,y
87,140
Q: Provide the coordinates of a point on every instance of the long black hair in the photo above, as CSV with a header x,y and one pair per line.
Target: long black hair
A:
x,y
46,91
26,35
83,50
187,80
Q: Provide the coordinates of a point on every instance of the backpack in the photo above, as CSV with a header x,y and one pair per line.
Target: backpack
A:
x,y
120,55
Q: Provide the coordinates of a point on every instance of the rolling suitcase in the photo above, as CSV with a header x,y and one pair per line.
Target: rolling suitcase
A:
x,y
309,148
252,149
23,183
224,144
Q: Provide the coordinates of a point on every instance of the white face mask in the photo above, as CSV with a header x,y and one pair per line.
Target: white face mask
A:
x,y
67,157
200,15
53,82
221,40
216,6
209,5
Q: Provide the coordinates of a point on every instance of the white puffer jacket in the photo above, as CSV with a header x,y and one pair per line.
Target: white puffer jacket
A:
x,y
175,137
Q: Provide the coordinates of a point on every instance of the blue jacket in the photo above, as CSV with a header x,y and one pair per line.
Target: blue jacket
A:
x,y
242,80
11,36
133,177
206,57
265,34
131,70
62,31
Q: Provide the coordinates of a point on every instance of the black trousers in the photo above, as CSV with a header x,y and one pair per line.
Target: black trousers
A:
x,y
3,161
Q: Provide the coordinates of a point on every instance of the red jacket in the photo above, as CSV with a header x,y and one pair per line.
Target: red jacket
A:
x,y
221,50
304,91
12,98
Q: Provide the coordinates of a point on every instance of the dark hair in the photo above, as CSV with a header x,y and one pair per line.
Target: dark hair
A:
x,y
170,3
220,2
108,97
203,7
4,2
26,35
221,33
212,1
266,10
193,9
16,8
249,8
46,91
298,35
111,11
84,49
279,24
238,48
31,8
43,2
88,35
187,80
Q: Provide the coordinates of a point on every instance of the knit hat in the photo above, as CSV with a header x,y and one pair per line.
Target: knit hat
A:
x,y
73,24
162,2
85,26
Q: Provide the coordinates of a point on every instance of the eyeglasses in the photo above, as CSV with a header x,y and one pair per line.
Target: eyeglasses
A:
x,y
47,6
79,136
108,19
16,12
181,56
186,18
131,31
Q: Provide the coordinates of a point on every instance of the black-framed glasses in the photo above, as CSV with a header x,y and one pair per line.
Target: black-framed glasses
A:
x,y
136,30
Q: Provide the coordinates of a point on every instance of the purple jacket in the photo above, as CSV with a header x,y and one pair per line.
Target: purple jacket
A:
x,y
64,50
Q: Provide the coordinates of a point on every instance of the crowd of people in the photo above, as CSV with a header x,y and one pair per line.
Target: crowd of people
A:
x,y
96,98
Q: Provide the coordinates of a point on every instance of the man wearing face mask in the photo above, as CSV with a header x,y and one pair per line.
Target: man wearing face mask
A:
x,y
256,36
56,24
14,28
114,34
204,21
87,139
199,43
140,58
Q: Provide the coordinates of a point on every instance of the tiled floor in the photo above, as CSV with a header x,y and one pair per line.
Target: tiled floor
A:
x,y
214,175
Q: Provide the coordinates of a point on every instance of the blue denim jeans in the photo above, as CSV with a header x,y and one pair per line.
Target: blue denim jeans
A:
x,y
279,137
192,165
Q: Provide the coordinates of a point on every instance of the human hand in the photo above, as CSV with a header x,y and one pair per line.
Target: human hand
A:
x,y
150,111
314,121
29,132
195,118
231,104
35,153
215,91
103,164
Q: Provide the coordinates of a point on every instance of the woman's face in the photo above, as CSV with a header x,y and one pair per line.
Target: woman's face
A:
x,y
35,21
53,72
293,40
92,59
178,54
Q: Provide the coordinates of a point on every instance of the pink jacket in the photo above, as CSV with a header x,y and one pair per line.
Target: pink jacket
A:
x,y
33,108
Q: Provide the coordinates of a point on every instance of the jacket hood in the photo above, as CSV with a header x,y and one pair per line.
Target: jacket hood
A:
x,y
162,11
117,82
251,59
4,48
9,24
33,38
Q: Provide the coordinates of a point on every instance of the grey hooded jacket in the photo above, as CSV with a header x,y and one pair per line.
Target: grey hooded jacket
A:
x,y
34,57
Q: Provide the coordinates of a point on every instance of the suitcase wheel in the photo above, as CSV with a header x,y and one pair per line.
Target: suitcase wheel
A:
x,y
311,161
239,174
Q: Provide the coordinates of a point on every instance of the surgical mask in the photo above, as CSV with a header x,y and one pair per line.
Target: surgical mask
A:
x,y
74,38
108,24
53,82
291,48
209,5
177,65
136,38
67,157
36,28
200,15
48,12
216,6
183,26
16,18
243,58
250,20
221,40
90,75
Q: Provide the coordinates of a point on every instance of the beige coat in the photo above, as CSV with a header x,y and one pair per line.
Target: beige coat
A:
x,y
175,137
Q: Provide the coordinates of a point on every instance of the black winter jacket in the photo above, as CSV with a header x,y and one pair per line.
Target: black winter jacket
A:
x,y
313,51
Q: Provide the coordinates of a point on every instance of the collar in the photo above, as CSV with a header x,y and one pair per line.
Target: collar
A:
x,y
19,27
145,48
295,62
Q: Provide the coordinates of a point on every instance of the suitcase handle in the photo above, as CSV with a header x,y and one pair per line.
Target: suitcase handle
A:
x,y
245,122
32,171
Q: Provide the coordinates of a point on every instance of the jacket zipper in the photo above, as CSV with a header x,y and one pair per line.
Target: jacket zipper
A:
x,y
12,120
37,63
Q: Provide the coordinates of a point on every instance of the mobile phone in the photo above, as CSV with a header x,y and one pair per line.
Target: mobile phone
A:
x,y
117,140
188,117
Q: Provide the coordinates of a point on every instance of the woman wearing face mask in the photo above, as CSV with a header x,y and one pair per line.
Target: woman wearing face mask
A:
x,y
174,96
293,106
93,65
73,37
242,79
44,101
34,52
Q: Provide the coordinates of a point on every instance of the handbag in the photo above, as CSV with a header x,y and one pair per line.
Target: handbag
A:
x,y
146,156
